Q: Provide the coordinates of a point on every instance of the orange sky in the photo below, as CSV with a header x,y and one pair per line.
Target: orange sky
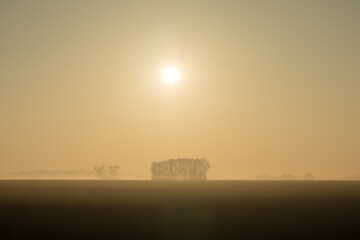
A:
x,y
266,86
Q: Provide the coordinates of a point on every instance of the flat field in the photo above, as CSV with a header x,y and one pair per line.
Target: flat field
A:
x,y
179,210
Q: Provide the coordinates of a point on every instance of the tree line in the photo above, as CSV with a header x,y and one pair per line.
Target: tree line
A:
x,y
181,168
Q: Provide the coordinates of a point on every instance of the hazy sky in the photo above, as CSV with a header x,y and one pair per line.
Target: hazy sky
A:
x,y
266,86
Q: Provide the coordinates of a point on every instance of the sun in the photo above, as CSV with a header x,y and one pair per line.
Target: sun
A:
x,y
171,75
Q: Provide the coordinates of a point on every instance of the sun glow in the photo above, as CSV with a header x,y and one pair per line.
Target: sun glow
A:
x,y
171,75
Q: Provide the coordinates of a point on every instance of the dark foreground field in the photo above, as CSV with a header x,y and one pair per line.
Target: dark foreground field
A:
x,y
179,210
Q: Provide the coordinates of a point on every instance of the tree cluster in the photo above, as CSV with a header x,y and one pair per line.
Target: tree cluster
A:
x,y
107,172
182,168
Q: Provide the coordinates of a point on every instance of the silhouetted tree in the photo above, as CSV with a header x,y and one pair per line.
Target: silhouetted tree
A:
x,y
107,172
100,171
113,170
182,168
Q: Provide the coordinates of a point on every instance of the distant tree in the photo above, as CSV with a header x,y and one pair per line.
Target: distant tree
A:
x,y
113,170
100,171
309,176
104,172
